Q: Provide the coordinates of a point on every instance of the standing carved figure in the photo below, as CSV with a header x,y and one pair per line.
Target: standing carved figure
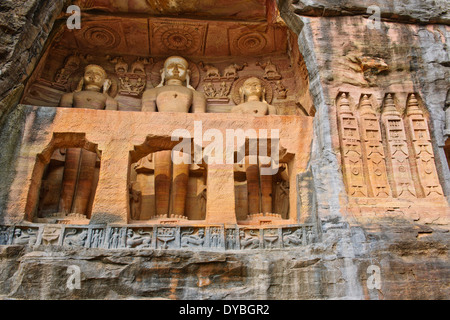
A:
x,y
79,171
174,94
135,201
259,186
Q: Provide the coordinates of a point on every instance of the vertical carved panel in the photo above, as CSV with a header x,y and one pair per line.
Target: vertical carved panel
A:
x,y
351,149
423,149
398,150
373,150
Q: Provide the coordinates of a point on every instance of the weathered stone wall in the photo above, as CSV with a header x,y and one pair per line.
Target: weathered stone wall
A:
x,y
412,255
417,55
24,28
410,11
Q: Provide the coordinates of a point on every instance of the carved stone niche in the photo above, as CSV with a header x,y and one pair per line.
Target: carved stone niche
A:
x,y
261,199
64,180
162,192
262,187
68,186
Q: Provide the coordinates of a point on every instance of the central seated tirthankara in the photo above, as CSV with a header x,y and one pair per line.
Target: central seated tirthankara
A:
x,y
93,165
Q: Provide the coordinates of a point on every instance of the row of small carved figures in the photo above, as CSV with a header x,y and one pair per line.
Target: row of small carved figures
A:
x,y
159,237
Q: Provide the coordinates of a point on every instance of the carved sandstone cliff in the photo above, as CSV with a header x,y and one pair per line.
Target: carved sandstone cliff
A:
x,y
377,97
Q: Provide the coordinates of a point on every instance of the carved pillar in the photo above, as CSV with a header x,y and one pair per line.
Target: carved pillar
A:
x,y
111,202
423,149
220,205
373,150
403,185
252,173
351,150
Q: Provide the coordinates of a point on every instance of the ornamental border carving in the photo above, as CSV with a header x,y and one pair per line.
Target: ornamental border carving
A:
x,y
159,237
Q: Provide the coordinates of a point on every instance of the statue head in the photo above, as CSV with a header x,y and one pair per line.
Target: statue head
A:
x,y
94,79
252,90
175,72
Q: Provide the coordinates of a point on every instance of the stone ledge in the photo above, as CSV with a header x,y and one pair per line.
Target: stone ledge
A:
x,y
417,11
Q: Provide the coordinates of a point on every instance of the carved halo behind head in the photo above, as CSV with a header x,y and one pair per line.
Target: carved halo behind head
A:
x,y
110,85
237,94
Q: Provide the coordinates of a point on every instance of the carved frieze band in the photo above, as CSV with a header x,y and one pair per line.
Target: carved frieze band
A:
x,y
162,237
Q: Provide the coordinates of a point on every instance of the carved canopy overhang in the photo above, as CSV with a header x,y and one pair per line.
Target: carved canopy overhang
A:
x,y
160,37
123,41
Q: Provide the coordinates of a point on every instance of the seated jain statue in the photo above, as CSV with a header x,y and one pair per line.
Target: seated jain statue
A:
x,y
253,99
92,91
174,94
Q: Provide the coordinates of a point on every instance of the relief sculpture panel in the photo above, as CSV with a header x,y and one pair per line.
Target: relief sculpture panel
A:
x,y
398,149
352,161
373,149
422,149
